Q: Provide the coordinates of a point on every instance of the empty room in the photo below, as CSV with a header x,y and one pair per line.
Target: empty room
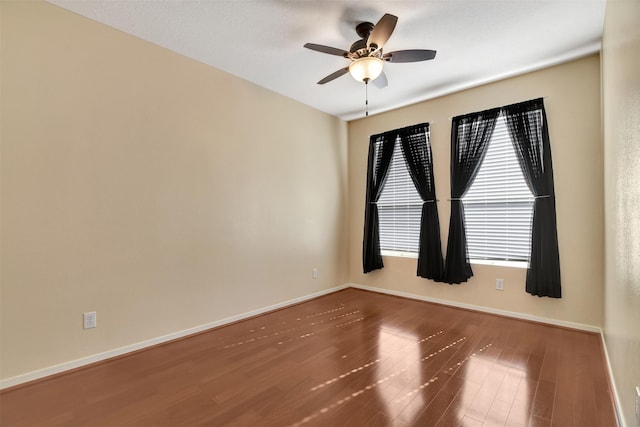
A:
x,y
306,213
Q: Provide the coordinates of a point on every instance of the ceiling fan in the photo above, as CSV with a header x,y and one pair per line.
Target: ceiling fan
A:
x,y
366,55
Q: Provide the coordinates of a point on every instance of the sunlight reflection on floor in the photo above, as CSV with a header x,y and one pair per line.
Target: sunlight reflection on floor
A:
x,y
399,350
493,391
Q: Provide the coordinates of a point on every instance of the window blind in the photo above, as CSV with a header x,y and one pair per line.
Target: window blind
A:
x,y
399,208
498,206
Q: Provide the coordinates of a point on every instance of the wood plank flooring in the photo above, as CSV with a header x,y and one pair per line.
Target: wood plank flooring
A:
x,y
352,358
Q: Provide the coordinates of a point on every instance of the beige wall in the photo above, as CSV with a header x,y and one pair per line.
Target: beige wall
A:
x,y
160,192
572,101
621,107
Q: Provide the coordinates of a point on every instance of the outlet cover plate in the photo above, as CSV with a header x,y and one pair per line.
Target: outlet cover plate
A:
x,y
500,284
89,320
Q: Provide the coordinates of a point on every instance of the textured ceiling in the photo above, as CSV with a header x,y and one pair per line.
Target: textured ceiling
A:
x,y
477,41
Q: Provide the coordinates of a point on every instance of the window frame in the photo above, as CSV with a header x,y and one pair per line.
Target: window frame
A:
x,y
399,173
491,171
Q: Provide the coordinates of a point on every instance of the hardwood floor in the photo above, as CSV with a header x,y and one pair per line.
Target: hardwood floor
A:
x,y
352,358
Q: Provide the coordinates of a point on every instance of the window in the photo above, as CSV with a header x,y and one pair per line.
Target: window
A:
x,y
498,206
401,214
399,208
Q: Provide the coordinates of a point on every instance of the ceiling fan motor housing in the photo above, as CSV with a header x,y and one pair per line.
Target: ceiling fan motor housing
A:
x,y
359,48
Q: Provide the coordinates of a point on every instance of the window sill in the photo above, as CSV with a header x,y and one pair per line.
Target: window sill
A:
x,y
500,263
399,254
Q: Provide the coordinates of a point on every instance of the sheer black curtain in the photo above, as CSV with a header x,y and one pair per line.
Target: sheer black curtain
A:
x,y
417,154
470,135
380,153
527,124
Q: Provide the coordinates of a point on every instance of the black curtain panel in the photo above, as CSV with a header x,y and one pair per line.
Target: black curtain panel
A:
x,y
416,148
470,135
527,124
380,153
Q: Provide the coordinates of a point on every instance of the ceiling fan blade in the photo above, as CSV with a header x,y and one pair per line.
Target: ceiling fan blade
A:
x,y
382,31
327,49
334,75
412,55
381,81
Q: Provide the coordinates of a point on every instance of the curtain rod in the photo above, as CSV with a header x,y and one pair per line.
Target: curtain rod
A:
x,y
390,132
499,108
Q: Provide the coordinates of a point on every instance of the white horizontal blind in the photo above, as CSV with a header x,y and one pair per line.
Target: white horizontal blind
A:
x,y
399,208
499,206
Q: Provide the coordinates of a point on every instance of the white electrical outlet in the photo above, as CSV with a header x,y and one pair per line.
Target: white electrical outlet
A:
x,y
90,320
500,284
314,273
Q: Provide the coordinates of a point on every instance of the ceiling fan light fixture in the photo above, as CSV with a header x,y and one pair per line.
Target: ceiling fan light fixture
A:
x,y
366,69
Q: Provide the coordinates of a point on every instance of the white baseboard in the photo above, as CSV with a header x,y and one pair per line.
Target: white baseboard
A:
x,y
523,316
612,381
66,366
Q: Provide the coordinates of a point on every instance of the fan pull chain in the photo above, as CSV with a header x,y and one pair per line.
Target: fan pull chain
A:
x,y
366,97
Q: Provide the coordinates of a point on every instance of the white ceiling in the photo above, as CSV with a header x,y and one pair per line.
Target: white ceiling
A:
x,y
477,41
